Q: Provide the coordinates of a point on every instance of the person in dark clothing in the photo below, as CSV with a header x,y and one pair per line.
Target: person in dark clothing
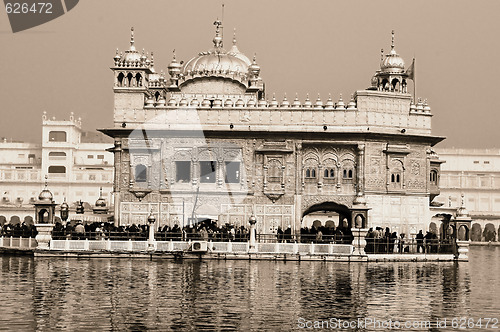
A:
x,y
279,234
420,241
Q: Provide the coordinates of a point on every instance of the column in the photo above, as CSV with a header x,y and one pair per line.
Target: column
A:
x,y
116,186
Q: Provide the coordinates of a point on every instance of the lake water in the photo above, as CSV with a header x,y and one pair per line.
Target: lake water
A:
x,y
47,294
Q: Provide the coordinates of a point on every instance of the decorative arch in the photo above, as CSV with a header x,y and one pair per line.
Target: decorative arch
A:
x,y
121,79
489,233
476,232
463,233
395,84
341,209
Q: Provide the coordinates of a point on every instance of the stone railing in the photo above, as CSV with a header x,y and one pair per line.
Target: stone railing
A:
x,y
25,243
211,247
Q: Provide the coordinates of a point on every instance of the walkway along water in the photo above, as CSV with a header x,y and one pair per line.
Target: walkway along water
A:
x,y
45,246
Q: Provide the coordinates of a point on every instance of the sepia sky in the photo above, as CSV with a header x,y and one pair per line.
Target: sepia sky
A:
x,y
316,46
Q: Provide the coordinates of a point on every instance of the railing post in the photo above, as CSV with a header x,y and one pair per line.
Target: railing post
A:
x,y
129,245
170,245
1,241
462,250
312,248
108,244
295,248
229,246
29,242
10,242
276,247
66,244
359,241
86,245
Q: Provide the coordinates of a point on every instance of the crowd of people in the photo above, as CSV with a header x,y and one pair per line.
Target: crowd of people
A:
x,y
18,230
378,241
338,235
206,230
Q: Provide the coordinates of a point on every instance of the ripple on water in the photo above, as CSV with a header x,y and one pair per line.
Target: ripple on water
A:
x,y
119,294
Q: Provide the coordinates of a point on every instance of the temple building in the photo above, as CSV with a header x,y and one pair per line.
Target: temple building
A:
x,y
208,143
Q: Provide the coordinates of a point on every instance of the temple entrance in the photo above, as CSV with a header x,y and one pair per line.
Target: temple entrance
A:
x,y
326,222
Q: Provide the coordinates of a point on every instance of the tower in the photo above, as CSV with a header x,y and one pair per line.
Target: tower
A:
x,y
392,76
131,71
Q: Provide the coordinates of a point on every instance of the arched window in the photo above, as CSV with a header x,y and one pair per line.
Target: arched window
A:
x,y
129,79
138,79
310,173
347,173
141,173
433,177
329,173
57,170
121,77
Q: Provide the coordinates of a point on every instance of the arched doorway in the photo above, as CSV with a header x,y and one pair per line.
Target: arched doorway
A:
x,y
327,222
476,232
489,233
463,233
43,216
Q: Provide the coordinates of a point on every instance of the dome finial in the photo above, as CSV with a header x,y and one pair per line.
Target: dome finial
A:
x,y
392,40
132,47
46,181
218,38
234,36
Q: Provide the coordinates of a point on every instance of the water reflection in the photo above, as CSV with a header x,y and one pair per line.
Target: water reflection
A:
x,y
121,294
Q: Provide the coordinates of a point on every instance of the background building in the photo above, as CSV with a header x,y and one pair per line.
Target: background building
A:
x,y
206,143
475,173
75,162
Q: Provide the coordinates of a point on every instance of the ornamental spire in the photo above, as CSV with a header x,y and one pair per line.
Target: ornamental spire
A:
x,y
218,38
132,47
392,40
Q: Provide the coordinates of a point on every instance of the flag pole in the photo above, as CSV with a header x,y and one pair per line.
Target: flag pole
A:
x,y
414,82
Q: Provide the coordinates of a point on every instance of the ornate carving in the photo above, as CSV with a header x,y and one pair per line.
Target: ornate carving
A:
x,y
308,201
415,167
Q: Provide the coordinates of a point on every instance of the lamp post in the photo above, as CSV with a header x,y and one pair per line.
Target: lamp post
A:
x,y
252,244
64,210
151,239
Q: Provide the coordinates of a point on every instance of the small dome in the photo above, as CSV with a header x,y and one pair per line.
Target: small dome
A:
x,y
100,202
392,63
45,195
64,205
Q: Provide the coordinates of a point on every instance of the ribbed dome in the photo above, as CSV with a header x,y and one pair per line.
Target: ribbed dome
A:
x,y
393,63
215,61
45,196
218,62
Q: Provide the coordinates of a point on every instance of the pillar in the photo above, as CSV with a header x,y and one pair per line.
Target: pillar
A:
x,y
252,244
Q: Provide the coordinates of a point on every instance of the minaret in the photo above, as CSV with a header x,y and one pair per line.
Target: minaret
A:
x,y
131,70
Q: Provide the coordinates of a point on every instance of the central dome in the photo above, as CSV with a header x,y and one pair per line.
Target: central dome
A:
x,y
216,61
216,64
